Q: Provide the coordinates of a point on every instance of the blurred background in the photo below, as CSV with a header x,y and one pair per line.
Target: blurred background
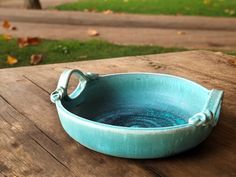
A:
x,y
36,32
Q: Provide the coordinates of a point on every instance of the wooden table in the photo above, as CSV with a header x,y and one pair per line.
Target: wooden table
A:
x,y
33,143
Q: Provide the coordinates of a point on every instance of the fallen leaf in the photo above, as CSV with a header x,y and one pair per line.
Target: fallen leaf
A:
x,y
93,32
11,60
6,24
33,40
13,28
36,59
232,62
22,42
7,37
181,33
108,11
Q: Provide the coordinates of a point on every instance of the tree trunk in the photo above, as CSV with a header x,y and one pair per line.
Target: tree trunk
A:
x,y
33,4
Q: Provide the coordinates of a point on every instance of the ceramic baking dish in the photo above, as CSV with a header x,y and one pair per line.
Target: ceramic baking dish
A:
x,y
136,115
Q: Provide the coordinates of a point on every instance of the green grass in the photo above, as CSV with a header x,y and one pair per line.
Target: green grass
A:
x,y
169,7
70,50
231,53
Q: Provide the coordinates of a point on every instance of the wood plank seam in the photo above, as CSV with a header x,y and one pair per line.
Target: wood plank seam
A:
x,y
32,122
13,107
34,83
155,171
46,134
31,137
45,149
5,120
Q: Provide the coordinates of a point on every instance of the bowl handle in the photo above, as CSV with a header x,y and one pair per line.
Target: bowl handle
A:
x,y
210,112
61,90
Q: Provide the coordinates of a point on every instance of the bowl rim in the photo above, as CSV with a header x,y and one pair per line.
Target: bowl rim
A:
x,y
70,115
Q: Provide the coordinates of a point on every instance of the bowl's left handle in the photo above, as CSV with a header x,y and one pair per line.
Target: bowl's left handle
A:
x,y
61,90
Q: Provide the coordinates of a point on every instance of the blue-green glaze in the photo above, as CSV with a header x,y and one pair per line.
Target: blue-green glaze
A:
x,y
136,115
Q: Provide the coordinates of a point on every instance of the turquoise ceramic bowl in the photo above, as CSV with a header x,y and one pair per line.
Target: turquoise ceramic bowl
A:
x,y
136,115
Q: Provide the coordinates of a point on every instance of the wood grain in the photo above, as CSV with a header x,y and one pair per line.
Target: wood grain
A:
x,y
33,143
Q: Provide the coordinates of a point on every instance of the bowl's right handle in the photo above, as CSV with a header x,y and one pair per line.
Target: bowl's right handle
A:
x,y
213,103
61,90
210,112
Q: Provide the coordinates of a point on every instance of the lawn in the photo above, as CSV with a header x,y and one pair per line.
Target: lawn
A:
x,y
169,7
70,50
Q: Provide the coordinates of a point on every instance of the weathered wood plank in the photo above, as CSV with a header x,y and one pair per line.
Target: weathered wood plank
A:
x,y
20,153
31,135
25,103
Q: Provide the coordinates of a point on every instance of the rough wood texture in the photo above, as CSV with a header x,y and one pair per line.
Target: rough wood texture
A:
x,y
33,143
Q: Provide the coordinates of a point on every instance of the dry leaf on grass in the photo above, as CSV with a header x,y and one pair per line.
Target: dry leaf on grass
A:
x,y
11,60
93,32
6,37
36,59
33,40
23,42
108,11
6,24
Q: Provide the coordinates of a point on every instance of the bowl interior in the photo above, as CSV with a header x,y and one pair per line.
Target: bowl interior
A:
x,y
138,100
